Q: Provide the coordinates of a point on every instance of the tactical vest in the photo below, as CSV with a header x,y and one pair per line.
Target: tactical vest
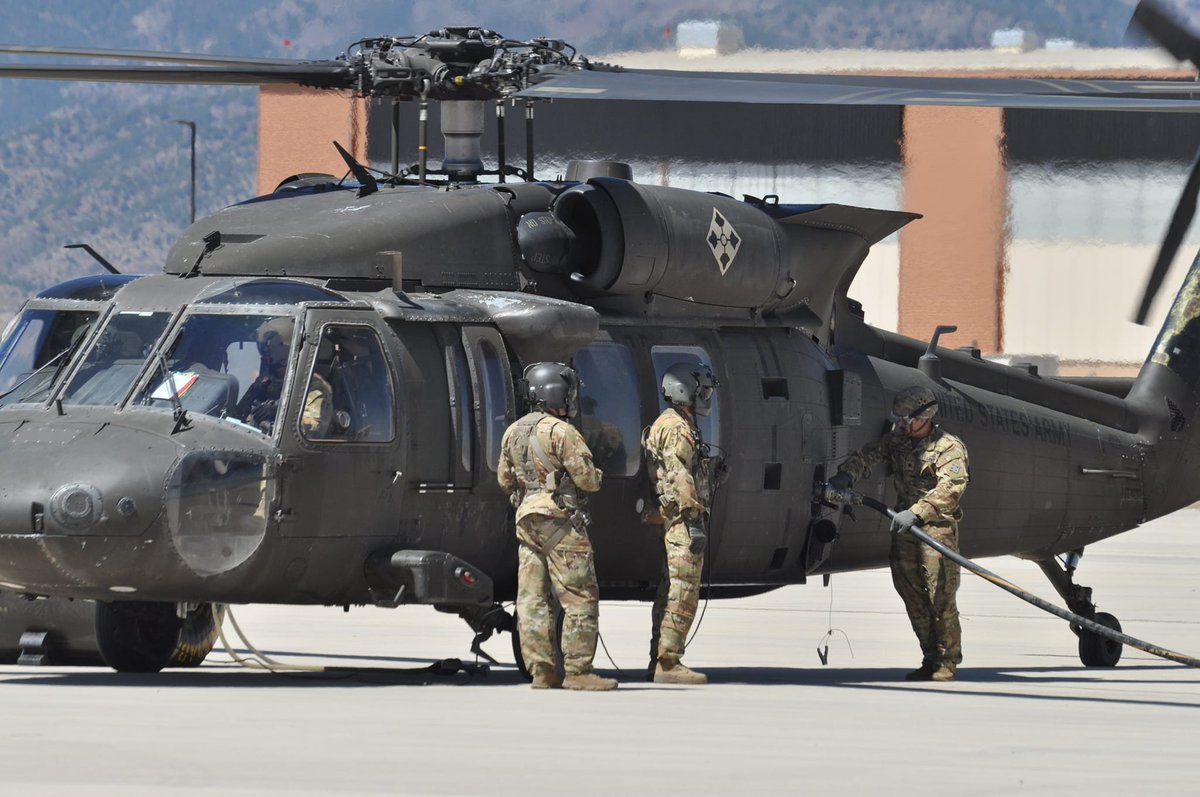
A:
x,y
525,450
702,469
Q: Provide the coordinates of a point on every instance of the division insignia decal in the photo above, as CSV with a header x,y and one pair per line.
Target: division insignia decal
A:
x,y
723,240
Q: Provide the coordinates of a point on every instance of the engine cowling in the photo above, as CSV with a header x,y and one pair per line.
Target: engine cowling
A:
x,y
616,237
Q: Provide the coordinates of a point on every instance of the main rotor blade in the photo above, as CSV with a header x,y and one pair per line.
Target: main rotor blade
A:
x,y
330,74
986,85
635,85
1167,31
140,55
1181,219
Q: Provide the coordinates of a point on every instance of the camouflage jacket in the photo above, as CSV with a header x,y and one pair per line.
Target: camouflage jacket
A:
x,y
930,474
673,460
545,485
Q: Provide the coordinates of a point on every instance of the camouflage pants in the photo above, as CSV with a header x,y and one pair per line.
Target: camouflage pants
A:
x,y
569,571
927,584
677,597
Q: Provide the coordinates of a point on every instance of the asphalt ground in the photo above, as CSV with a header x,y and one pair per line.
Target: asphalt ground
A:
x,y
1025,716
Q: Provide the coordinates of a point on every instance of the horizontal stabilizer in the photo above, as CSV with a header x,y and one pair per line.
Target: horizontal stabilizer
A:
x,y
868,223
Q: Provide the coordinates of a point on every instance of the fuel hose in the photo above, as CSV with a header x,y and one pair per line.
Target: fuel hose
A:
x,y
847,496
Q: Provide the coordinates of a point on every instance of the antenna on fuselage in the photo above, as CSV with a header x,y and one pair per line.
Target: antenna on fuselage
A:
x,y
367,182
109,267
930,364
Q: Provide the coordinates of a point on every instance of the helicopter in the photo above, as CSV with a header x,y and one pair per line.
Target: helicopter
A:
x,y
159,460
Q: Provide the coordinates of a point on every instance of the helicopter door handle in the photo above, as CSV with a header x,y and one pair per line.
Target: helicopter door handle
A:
x,y
396,477
1116,474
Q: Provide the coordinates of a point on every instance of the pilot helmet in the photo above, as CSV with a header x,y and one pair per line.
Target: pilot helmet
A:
x,y
914,403
275,338
553,386
690,385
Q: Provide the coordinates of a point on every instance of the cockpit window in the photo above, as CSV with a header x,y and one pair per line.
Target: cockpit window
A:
x,y
116,358
272,292
36,349
226,366
97,287
349,393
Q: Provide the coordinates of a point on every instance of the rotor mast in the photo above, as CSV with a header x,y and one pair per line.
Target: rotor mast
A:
x,y
462,68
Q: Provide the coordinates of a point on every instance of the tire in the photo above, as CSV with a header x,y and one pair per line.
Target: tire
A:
x,y
518,657
136,636
1095,650
199,633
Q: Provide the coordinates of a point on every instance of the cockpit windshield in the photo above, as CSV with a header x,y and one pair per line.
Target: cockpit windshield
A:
x,y
37,349
116,358
226,366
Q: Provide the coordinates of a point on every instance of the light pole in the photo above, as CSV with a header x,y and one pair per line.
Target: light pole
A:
x,y
192,127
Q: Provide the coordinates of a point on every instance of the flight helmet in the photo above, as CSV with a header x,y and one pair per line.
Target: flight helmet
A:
x,y
690,385
553,386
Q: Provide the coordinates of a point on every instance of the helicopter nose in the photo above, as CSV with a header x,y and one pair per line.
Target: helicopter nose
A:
x,y
71,493
76,478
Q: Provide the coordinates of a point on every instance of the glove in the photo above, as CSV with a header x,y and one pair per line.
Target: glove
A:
x,y
699,540
264,411
904,520
841,481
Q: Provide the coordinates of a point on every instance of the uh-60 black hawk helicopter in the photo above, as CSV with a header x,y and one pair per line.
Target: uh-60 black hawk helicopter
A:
x,y
157,459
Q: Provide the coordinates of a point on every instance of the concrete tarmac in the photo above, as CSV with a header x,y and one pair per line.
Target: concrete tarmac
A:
x,y
1025,716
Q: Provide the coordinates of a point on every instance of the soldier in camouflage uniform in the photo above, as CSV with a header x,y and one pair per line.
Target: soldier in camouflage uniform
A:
x,y
929,467
683,485
544,466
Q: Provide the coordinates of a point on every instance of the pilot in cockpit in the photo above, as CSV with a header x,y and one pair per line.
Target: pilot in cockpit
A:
x,y
260,404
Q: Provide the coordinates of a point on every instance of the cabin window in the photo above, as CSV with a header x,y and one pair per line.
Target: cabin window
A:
x,y
116,358
495,401
36,348
349,396
226,366
666,356
610,413
460,403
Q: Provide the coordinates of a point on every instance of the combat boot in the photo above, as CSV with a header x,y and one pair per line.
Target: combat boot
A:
x,y
943,673
673,672
589,682
922,673
545,677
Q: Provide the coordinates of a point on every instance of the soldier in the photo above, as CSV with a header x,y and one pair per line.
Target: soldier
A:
x,y
929,467
260,403
544,466
683,485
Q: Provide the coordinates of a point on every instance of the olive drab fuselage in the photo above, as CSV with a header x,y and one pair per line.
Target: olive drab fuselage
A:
x,y
126,474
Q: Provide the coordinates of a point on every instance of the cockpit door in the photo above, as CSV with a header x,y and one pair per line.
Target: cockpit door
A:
x,y
342,462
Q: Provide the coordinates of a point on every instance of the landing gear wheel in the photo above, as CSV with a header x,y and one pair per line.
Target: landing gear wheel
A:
x,y
1095,650
136,636
519,657
198,635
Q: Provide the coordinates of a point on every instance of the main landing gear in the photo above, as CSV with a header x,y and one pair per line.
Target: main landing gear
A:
x,y
137,636
1094,650
488,620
